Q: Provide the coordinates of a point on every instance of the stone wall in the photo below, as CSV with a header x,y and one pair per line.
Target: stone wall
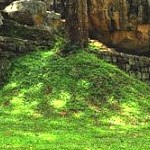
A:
x,y
138,66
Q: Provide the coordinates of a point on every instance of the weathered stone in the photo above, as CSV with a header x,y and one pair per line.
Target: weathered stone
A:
x,y
135,67
145,76
127,67
124,24
29,12
4,3
114,59
15,46
52,20
53,15
132,73
138,66
108,58
12,29
1,19
131,61
144,69
139,75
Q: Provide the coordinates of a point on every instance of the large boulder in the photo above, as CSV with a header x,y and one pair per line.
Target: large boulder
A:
x,y
33,13
4,3
29,12
124,24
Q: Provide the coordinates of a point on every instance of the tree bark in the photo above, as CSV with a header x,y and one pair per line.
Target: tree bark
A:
x,y
77,22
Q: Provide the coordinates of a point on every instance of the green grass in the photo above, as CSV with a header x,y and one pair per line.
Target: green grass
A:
x,y
78,102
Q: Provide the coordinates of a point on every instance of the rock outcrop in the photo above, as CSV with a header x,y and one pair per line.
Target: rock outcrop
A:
x,y
28,20
25,25
123,24
27,12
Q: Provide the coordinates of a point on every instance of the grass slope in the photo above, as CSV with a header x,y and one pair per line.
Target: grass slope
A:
x,y
77,102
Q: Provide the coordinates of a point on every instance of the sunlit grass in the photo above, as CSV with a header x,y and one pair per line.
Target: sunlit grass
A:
x,y
77,102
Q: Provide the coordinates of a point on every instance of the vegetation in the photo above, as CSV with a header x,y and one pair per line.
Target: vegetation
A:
x,y
77,102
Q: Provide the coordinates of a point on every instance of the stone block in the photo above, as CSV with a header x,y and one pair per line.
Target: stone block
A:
x,y
1,19
145,76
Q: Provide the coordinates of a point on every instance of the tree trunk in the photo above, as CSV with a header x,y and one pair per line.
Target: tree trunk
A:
x,y
77,22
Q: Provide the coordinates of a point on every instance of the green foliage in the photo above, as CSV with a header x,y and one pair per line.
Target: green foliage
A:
x,y
74,102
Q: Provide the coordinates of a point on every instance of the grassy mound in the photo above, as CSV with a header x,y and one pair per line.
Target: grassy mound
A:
x,y
78,102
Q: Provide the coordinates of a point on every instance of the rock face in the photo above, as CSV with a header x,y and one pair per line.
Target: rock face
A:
x,y
27,12
4,3
124,24
27,22
32,13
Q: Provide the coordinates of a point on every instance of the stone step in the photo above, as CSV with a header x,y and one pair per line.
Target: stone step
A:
x,y
11,28
11,47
